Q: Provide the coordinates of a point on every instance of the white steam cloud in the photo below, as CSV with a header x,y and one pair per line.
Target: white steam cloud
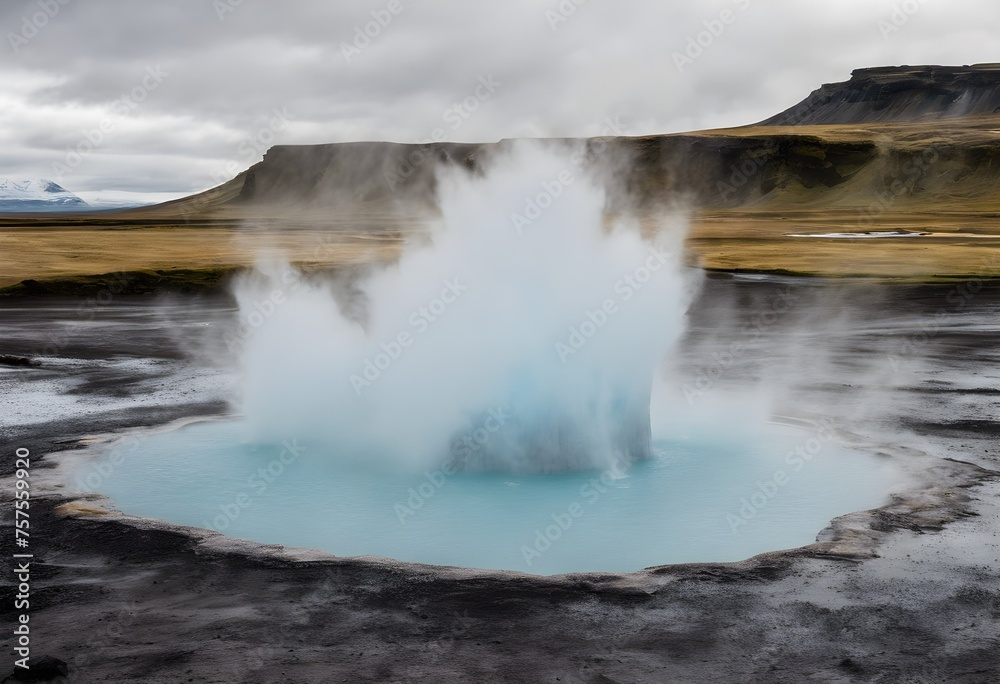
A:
x,y
524,334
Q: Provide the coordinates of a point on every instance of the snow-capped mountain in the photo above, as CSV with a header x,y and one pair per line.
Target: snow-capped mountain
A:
x,y
37,194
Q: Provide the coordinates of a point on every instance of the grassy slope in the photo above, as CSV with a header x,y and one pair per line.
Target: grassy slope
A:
x,y
955,194
198,239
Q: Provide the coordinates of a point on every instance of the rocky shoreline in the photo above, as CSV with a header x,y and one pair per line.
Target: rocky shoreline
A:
x,y
904,593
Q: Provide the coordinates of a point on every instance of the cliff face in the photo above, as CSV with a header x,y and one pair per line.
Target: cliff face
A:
x,y
902,136
899,94
736,169
358,172
709,170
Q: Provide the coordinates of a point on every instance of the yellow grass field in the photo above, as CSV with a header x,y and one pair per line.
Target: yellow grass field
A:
x,y
959,246
212,231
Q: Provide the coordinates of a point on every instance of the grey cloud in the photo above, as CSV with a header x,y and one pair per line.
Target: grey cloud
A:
x,y
605,60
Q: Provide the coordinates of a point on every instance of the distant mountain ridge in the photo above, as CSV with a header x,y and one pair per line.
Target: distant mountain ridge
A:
x,y
37,194
899,94
910,136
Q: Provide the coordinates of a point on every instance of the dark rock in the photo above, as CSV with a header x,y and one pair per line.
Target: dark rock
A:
x,y
42,669
906,93
851,666
11,360
34,287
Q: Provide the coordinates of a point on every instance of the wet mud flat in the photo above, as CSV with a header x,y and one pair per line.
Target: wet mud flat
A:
x,y
906,593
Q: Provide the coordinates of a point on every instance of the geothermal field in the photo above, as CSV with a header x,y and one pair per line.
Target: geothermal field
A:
x,y
592,405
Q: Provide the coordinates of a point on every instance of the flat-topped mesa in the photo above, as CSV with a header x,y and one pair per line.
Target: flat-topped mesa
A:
x,y
356,172
899,94
749,166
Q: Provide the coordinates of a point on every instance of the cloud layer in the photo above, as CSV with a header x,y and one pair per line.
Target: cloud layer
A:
x,y
157,98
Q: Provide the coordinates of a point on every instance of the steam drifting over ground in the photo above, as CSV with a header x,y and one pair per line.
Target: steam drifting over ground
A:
x,y
524,333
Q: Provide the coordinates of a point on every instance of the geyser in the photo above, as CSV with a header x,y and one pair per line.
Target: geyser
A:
x,y
485,402
521,332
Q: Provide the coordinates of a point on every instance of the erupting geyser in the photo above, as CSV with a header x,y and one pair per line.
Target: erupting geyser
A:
x,y
518,339
521,333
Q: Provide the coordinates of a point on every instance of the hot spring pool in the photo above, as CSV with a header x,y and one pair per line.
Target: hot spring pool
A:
x,y
716,498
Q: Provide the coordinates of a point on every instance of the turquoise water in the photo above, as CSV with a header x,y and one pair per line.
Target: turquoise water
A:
x,y
722,498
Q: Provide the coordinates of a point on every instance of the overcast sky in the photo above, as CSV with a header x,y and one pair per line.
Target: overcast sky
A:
x,y
190,92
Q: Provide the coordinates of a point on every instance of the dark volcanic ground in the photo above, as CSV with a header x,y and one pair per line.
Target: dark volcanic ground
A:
x,y
908,593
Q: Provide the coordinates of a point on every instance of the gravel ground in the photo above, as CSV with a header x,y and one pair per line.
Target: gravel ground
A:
x,y
906,593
